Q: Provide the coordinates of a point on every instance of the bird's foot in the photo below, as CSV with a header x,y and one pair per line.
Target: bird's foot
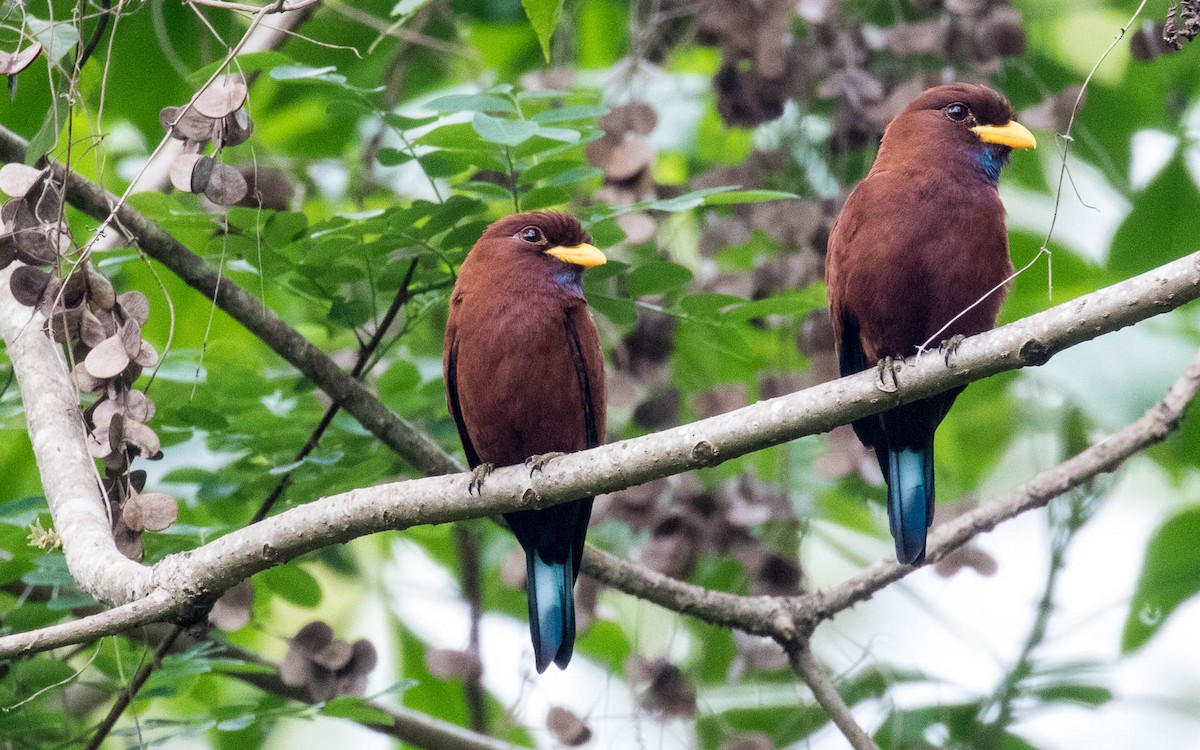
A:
x,y
949,347
478,474
885,378
537,463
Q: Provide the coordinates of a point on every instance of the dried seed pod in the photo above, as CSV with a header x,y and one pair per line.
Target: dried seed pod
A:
x,y
87,383
453,664
232,610
201,172
28,284
139,407
34,247
567,728
12,63
182,169
223,96
100,289
334,656
107,359
134,305
233,130
225,185
147,356
131,337
192,126
352,680
91,330
16,180
141,438
669,691
64,324
157,510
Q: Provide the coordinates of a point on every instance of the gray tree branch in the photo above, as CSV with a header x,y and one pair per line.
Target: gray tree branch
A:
x,y
182,582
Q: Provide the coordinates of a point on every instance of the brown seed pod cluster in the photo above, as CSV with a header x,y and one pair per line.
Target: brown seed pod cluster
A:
x,y
217,114
664,688
1182,24
567,728
103,331
325,665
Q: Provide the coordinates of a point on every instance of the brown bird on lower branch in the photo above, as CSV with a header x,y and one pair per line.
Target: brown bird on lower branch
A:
x,y
919,256
524,378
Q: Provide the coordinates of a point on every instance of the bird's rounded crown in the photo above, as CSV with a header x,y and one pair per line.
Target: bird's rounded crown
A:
x,y
985,106
553,229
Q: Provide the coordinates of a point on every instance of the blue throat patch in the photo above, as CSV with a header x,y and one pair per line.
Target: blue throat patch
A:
x,y
992,158
571,279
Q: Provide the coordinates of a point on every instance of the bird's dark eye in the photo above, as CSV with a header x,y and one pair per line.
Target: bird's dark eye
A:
x,y
957,111
532,235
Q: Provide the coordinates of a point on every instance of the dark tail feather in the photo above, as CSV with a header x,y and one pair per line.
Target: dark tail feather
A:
x,y
910,500
551,609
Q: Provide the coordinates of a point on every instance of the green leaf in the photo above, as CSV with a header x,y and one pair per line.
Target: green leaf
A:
x,y
687,201
1082,694
620,311
470,103
791,303
304,72
392,157
404,122
293,583
501,131
486,190
656,278
570,114
1157,230
347,707
47,136
565,135
1170,576
708,304
543,17
407,7
57,37
748,196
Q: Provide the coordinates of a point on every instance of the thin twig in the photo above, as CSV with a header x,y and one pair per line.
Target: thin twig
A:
x,y
403,295
277,7
126,696
807,669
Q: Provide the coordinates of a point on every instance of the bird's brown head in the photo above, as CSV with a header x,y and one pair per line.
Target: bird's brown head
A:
x,y
959,119
535,247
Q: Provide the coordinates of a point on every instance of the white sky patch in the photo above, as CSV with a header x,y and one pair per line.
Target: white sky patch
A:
x,y
1152,149
1086,230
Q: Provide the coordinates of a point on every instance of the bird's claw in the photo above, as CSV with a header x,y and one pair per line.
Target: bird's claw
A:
x,y
885,378
949,347
538,462
478,474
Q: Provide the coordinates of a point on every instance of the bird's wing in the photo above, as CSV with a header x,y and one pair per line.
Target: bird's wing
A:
x,y
581,354
455,408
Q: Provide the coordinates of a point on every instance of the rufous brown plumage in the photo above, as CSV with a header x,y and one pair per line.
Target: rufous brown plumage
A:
x,y
524,377
918,256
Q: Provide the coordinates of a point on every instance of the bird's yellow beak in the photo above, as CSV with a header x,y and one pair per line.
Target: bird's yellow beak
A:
x,y
580,255
1013,135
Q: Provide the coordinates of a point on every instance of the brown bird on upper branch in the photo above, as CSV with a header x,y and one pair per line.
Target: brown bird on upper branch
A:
x,y
524,378
918,256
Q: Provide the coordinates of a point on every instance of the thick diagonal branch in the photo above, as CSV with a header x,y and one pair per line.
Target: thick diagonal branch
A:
x,y
195,576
